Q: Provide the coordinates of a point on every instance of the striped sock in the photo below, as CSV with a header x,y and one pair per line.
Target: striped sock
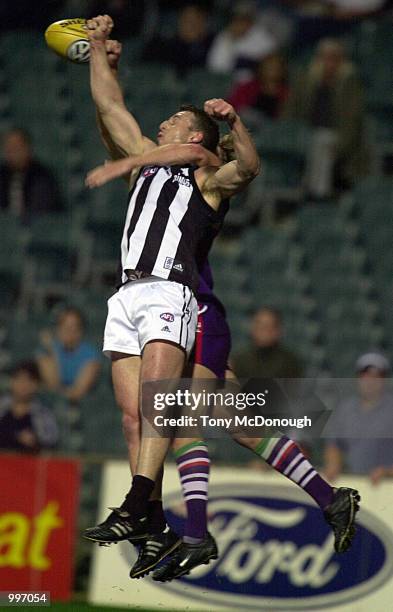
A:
x,y
286,457
193,464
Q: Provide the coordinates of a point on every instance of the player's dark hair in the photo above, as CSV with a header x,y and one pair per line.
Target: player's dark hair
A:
x,y
29,367
206,125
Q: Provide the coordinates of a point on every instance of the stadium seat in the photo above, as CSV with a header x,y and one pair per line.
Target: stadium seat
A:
x,y
202,85
101,250
50,262
285,136
13,238
22,339
101,422
109,203
9,289
32,53
145,77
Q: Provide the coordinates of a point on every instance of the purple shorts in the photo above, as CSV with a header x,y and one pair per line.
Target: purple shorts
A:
x,y
212,340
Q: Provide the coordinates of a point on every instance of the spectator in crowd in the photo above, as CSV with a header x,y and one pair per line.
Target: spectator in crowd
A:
x,y
267,91
27,187
313,20
26,424
359,427
328,96
242,44
340,9
189,48
69,365
266,356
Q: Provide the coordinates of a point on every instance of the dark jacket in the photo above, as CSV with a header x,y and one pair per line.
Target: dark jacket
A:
x,y
272,362
40,190
180,54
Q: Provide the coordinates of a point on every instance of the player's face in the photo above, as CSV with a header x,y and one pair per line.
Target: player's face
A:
x,y
178,129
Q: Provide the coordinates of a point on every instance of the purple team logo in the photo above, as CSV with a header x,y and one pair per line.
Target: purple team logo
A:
x,y
167,316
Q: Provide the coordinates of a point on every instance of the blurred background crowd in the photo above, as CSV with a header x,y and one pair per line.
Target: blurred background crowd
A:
x,y
304,265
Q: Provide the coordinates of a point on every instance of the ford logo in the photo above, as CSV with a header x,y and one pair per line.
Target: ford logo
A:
x,y
276,553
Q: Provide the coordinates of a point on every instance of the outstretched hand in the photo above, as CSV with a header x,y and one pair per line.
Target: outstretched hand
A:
x,y
99,28
109,171
219,109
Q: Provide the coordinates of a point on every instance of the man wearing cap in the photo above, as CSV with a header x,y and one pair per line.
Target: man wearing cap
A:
x,y
360,426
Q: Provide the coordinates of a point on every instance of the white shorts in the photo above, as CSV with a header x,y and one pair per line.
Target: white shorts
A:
x,y
150,309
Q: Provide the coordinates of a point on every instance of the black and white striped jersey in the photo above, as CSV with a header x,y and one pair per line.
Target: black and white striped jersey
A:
x,y
166,219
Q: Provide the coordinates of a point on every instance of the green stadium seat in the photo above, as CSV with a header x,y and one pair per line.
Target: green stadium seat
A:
x,y
285,136
22,338
339,286
13,237
374,193
101,423
131,52
202,85
50,262
32,54
334,264
9,289
145,78
109,203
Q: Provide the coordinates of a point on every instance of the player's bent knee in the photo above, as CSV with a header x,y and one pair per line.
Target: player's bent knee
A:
x,y
131,426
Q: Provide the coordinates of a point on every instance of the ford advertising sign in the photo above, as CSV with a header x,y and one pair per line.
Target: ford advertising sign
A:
x,y
275,552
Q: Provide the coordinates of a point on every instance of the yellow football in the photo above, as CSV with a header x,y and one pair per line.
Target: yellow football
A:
x,y
68,39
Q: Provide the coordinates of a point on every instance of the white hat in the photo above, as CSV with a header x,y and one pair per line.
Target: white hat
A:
x,y
372,360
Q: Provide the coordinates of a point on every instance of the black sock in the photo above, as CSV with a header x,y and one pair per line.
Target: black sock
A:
x,y
137,500
155,516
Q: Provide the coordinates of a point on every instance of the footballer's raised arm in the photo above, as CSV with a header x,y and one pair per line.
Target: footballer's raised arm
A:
x,y
123,129
166,155
235,175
